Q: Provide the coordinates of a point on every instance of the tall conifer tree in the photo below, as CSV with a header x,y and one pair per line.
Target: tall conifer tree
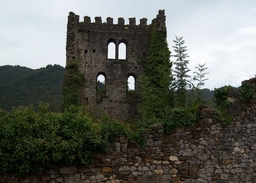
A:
x,y
182,79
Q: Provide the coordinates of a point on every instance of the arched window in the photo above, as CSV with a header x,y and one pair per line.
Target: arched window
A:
x,y
131,83
122,51
101,83
111,50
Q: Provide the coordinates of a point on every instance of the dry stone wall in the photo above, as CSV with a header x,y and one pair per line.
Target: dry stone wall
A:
x,y
207,152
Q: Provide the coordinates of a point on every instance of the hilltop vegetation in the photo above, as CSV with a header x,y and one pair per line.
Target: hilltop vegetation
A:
x,y
21,86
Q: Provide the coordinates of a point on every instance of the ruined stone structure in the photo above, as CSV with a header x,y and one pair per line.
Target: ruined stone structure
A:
x,y
96,47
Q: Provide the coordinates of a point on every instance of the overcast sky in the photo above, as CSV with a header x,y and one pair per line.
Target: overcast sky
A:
x,y
220,33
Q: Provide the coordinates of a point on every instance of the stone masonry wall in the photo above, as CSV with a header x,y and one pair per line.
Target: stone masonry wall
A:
x,y
207,152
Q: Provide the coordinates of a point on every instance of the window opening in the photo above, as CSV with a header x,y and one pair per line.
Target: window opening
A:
x,y
111,50
122,51
131,83
101,83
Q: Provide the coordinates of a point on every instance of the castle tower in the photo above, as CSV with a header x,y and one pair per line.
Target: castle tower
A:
x,y
113,52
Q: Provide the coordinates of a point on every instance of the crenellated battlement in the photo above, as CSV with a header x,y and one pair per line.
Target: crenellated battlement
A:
x,y
110,20
120,20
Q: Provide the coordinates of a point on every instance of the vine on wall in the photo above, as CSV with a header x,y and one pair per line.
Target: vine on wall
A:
x,y
73,81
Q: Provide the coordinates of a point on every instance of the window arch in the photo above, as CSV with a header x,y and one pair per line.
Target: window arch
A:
x,y
111,49
101,83
131,82
122,51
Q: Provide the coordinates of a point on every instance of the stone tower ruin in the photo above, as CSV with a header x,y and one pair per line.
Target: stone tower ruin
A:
x,y
96,47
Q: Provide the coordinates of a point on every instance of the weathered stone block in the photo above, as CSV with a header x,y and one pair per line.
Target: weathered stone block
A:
x,y
201,153
106,169
228,161
183,166
165,162
99,177
193,171
224,176
156,162
216,176
173,158
159,172
174,171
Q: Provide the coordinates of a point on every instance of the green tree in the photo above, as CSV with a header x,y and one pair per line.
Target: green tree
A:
x,y
200,75
182,79
156,80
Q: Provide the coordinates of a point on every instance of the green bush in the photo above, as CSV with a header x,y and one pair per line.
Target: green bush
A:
x,y
31,142
73,82
220,112
177,117
221,96
222,116
247,89
111,130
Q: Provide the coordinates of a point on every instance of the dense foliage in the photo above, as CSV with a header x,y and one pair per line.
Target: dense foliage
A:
x,y
73,81
166,99
221,96
247,89
222,102
24,86
111,130
31,141
177,117
156,80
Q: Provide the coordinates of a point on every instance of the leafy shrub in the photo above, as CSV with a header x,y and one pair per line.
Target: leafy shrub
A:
x,y
31,142
177,117
222,116
247,89
73,81
221,96
111,129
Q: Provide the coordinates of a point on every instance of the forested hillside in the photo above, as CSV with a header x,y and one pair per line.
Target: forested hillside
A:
x,y
22,86
25,86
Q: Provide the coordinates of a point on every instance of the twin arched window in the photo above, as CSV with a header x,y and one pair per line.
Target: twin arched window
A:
x,y
116,51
